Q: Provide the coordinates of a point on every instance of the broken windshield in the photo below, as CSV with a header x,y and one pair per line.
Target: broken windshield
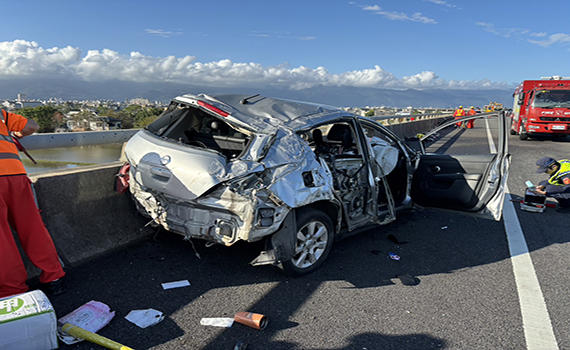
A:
x,y
552,99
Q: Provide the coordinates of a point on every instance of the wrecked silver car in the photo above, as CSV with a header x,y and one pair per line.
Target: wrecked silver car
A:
x,y
299,175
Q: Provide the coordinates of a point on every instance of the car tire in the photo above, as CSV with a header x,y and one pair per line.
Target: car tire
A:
x,y
513,132
313,242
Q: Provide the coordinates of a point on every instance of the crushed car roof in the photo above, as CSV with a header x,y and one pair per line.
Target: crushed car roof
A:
x,y
271,111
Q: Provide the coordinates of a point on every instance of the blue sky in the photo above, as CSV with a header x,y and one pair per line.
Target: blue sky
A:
x,y
289,44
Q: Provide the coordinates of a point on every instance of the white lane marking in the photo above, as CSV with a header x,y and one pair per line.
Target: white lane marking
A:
x,y
492,147
538,330
536,320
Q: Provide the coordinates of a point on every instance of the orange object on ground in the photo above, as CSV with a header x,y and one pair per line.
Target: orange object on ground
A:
x,y
257,321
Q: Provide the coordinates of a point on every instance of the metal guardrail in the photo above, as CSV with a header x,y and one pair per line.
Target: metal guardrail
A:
x,y
74,139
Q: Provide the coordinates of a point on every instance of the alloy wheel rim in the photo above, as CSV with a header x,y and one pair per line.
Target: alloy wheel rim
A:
x,y
311,244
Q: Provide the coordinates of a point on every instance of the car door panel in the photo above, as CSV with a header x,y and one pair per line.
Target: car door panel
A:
x,y
453,180
468,183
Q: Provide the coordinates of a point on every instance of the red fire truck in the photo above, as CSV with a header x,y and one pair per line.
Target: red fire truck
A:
x,y
542,108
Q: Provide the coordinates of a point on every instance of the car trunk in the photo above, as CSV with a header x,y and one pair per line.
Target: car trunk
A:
x,y
185,152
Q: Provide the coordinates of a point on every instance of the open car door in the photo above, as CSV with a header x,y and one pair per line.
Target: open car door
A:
x,y
464,170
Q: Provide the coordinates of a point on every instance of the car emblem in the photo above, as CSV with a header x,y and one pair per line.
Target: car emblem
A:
x,y
165,160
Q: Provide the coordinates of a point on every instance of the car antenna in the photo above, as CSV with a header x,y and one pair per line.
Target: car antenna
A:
x,y
244,101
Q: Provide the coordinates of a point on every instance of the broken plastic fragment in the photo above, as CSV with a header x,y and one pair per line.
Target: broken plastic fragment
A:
x,y
408,280
217,322
145,318
176,284
393,256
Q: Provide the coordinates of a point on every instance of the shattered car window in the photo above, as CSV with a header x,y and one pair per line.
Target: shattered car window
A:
x,y
195,127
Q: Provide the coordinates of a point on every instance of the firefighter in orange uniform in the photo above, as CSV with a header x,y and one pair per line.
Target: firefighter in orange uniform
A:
x,y
18,210
460,112
471,123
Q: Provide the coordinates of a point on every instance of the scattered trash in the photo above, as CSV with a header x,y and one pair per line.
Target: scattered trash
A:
x,y
240,346
444,227
408,280
91,317
393,256
375,251
27,321
145,318
177,284
395,240
217,322
80,333
257,321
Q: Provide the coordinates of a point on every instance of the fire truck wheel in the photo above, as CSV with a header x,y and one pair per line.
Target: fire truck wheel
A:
x,y
522,133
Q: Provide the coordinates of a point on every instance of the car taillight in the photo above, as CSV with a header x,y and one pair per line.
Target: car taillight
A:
x,y
213,109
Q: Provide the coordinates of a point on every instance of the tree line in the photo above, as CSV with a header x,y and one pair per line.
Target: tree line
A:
x,y
50,118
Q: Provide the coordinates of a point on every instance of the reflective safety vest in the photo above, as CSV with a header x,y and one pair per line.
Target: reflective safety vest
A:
x,y
556,178
10,163
459,113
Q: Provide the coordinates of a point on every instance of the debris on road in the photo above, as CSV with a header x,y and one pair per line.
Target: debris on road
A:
x,y
145,318
394,256
240,346
91,317
408,280
257,321
177,284
395,240
80,333
217,321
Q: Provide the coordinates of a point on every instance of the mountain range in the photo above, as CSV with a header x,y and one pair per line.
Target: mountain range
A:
x,y
43,89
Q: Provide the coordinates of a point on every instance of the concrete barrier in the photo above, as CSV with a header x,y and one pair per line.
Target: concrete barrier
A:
x,y
411,129
84,214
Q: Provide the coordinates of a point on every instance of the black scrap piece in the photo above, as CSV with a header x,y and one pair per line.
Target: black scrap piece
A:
x,y
408,280
395,240
240,346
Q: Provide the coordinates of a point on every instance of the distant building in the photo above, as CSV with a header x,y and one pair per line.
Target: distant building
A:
x,y
112,123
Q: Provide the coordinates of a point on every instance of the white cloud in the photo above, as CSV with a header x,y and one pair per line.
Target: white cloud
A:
x,y
559,38
162,32
442,3
24,59
281,35
400,16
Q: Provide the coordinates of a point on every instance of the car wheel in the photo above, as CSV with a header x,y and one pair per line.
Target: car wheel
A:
x,y
513,132
313,243
522,133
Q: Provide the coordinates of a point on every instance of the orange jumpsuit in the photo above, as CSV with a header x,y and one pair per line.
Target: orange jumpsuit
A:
x,y
471,123
18,211
460,112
